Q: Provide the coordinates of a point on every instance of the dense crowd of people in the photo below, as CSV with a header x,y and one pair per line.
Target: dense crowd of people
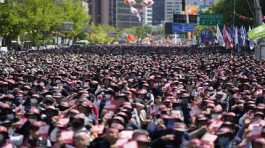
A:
x,y
139,97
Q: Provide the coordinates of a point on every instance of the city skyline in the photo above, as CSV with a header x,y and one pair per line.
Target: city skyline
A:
x,y
116,13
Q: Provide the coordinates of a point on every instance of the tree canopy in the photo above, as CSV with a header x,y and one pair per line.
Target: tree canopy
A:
x,y
242,7
37,20
103,34
139,31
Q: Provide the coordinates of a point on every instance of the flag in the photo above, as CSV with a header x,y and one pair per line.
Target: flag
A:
x,y
227,38
236,36
131,38
219,37
231,32
203,37
243,36
1,39
251,44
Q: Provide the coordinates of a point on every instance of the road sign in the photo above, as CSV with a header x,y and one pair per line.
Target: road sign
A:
x,y
211,19
256,33
182,28
172,28
182,18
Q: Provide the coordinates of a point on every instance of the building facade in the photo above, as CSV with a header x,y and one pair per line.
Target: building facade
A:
x,y
158,15
124,17
148,16
172,7
116,13
100,11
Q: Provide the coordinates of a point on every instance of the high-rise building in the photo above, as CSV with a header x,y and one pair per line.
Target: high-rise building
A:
x,y
116,13
100,11
148,16
112,12
172,7
124,17
158,15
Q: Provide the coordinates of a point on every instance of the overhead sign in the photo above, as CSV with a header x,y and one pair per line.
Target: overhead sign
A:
x,y
182,18
211,19
257,33
182,28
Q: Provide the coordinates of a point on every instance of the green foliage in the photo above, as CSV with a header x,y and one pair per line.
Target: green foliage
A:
x,y
74,12
139,31
41,17
226,7
199,29
101,34
38,20
11,24
158,30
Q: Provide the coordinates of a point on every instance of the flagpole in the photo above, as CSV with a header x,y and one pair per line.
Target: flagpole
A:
x,y
258,13
234,20
234,12
258,21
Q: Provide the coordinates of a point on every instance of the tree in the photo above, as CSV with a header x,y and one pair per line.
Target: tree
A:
x,y
11,24
41,17
75,13
38,20
243,8
103,34
139,31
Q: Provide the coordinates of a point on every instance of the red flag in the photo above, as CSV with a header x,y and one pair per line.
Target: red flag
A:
x,y
227,38
131,38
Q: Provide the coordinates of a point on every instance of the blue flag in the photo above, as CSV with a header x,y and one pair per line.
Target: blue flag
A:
x,y
242,37
236,36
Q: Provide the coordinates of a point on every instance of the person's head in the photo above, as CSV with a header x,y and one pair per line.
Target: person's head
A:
x,y
3,135
77,123
142,138
111,135
82,139
259,143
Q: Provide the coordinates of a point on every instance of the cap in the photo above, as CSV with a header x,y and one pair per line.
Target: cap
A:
x,y
259,142
179,126
118,119
67,137
87,103
62,122
117,126
142,92
38,124
139,105
3,129
141,136
229,114
110,107
224,131
209,137
4,106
